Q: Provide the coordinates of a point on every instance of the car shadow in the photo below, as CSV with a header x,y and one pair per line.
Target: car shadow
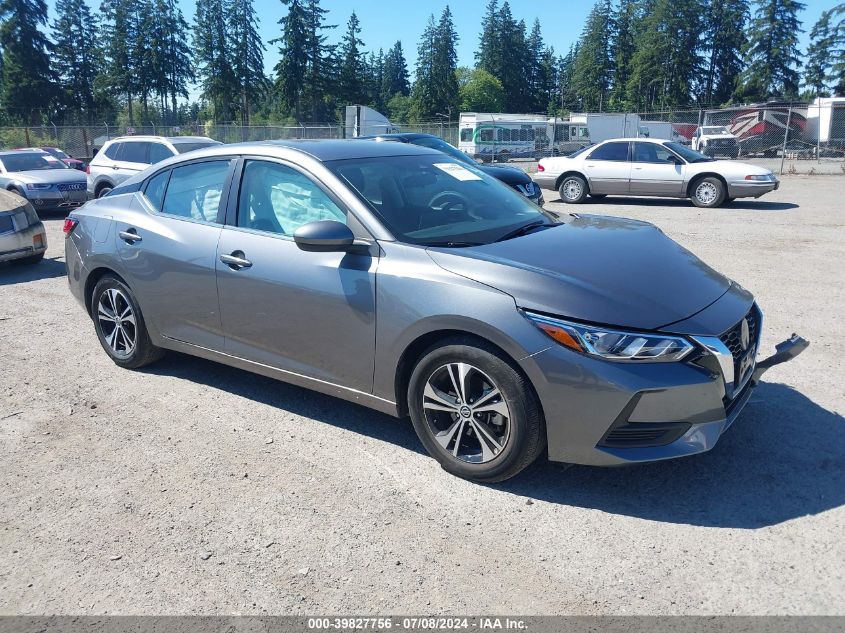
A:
x,y
783,458
18,273
290,398
739,204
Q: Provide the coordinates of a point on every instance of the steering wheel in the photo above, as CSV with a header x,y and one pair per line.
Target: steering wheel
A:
x,y
449,201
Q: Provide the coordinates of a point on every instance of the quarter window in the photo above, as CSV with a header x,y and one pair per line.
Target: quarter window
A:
x,y
154,191
159,152
113,150
194,191
611,151
278,199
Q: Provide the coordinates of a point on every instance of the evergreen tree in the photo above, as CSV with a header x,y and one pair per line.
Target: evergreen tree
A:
x,y
772,57
395,79
725,37
627,21
436,87
76,55
247,54
178,67
320,63
211,57
837,70
375,80
667,61
513,62
292,68
592,70
569,101
820,55
118,33
537,79
26,73
489,54
351,88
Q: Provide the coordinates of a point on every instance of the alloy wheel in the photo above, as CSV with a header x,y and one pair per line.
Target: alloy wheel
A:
x,y
117,321
466,413
572,189
706,193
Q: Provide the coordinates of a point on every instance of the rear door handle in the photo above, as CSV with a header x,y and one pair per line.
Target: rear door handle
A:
x,y
130,236
236,261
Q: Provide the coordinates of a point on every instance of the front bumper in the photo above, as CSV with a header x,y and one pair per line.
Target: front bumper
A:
x,y
24,243
750,189
605,413
57,200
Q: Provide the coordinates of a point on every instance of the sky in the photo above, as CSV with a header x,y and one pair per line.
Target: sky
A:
x,y
385,21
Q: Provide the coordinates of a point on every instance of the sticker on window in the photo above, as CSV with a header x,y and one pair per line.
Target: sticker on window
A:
x,y
457,171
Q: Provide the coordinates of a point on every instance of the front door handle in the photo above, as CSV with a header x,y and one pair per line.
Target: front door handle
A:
x,y
236,261
130,236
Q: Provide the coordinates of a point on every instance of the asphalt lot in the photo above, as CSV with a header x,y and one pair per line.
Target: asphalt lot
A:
x,y
190,487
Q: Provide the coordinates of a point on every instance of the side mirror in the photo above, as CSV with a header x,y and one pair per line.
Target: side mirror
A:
x,y
674,160
324,236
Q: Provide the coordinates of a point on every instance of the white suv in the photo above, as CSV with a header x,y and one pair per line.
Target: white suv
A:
x,y
123,157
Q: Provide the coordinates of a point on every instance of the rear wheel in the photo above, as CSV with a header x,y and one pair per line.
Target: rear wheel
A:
x,y
707,192
103,190
120,325
573,189
474,413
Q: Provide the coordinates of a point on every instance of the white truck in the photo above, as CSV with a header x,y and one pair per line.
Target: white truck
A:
x,y
715,140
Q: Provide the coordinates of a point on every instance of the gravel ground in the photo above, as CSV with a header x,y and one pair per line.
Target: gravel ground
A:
x,y
194,488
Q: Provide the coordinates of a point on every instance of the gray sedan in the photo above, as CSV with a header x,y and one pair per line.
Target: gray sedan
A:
x,y
402,279
651,167
44,180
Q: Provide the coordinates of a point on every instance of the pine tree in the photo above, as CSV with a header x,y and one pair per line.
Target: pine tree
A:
x,y
837,70
27,83
537,80
725,37
569,100
489,54
435,90
178,67
592,70
667,62
772,57
627,20
395,79
820,55
76,55
320,63
211,57
351,88
247,54
514,60
292,68
118,34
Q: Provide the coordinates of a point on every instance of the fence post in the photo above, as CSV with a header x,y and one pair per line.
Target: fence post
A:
x,y
819,131
785,137
26,134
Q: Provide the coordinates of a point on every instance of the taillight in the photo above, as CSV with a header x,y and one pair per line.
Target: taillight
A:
x,y
540,167
88,169
70,224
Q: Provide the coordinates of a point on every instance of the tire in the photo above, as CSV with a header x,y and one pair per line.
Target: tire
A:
x,y
598,196
462,440
103,190
111,296
707,193
573,189
32,259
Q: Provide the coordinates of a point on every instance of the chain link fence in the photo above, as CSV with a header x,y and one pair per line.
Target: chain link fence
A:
x,y
786,137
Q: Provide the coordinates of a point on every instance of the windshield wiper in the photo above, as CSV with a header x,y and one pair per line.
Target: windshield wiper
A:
x,y
525,228
453,244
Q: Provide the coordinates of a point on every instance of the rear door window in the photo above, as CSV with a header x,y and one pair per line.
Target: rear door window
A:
x,y
135,152
617,152
194,191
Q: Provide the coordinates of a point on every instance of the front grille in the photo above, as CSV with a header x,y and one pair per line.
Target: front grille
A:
x,y
72,186
641,435
733,337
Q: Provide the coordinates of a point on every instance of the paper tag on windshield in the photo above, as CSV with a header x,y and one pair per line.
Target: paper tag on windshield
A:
x,y
457,171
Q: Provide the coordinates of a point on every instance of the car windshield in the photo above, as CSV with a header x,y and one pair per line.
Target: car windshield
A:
x,y
437,201
184,148
710,131
442,146
578,152
30,161
689,155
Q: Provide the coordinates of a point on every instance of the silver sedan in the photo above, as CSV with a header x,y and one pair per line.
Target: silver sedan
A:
x,y
651,167
44,180
22,235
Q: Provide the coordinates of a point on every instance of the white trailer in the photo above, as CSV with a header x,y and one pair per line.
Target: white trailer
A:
x,y
601,127
826,121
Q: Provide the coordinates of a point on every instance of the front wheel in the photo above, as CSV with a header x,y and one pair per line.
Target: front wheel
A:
x,y
474,413
573,189
708,192
120,325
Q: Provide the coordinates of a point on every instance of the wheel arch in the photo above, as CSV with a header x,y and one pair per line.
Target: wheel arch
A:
x,y
571,172
414,351
102,183
708,174
91,281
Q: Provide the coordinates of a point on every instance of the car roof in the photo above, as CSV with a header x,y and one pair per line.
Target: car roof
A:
x,y
405,137
172,139
28,150
322,150
642,139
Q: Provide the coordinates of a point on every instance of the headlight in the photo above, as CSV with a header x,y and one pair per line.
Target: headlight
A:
x,y
38,186
760,177
611,344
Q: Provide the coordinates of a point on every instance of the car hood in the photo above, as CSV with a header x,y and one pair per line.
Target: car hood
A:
x,y
508,175
51,176
597,269
730,168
